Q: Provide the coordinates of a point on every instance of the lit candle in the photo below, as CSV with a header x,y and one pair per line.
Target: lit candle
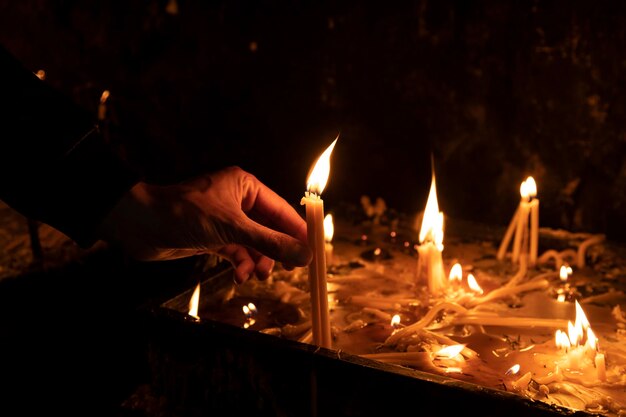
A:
x,y
522,221
329,231
102,107
315,233
526,216
534,220
430,262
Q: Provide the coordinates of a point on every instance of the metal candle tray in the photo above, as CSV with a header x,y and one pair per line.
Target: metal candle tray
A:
x,y
206,367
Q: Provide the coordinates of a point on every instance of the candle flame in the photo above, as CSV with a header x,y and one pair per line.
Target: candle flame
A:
x,y
450,352
581,319
561,340
41,74
513,370
249,311
329,228
565,272
531,187
592,340
104,96
395,320
456,273
528,188
252,308
377,251
194,301
471,282
318,176
578,333
523,190
432,222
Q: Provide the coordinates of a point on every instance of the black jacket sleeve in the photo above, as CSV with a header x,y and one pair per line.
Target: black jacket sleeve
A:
x,y
54,164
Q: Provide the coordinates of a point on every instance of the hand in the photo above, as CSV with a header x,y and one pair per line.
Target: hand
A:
x,y
229,213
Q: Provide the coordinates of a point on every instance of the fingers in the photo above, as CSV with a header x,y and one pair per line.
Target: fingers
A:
x,y
264,265
241,260
278,246
274,211
247,261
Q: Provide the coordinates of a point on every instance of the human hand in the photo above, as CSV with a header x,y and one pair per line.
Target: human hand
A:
x,y
229,213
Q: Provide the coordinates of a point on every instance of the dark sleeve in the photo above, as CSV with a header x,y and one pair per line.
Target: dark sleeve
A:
x,y
54,164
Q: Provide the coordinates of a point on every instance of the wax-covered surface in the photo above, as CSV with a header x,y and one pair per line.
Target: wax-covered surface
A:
x,y
373,277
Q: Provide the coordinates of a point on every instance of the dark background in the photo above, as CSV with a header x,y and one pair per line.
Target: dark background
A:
x,y
495,90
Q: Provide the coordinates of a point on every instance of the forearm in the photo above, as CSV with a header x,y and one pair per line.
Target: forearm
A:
x,y
56,166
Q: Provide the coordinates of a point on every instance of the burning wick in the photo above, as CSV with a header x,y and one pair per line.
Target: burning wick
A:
x,y
193,303
377,252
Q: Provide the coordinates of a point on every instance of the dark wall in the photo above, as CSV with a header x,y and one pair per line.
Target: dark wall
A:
x,y
495,90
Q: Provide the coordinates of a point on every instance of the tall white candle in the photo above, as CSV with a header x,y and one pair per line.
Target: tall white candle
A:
x,y
522,222
534,220
315,234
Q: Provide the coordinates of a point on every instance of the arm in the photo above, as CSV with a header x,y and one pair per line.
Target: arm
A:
x,y
55,165
58,169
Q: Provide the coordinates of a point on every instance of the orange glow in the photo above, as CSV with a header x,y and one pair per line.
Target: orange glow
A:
x,y
432,222
194,302
318,177
329,228
104,96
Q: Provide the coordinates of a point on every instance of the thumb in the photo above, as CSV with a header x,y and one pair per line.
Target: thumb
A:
x,y
276,245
